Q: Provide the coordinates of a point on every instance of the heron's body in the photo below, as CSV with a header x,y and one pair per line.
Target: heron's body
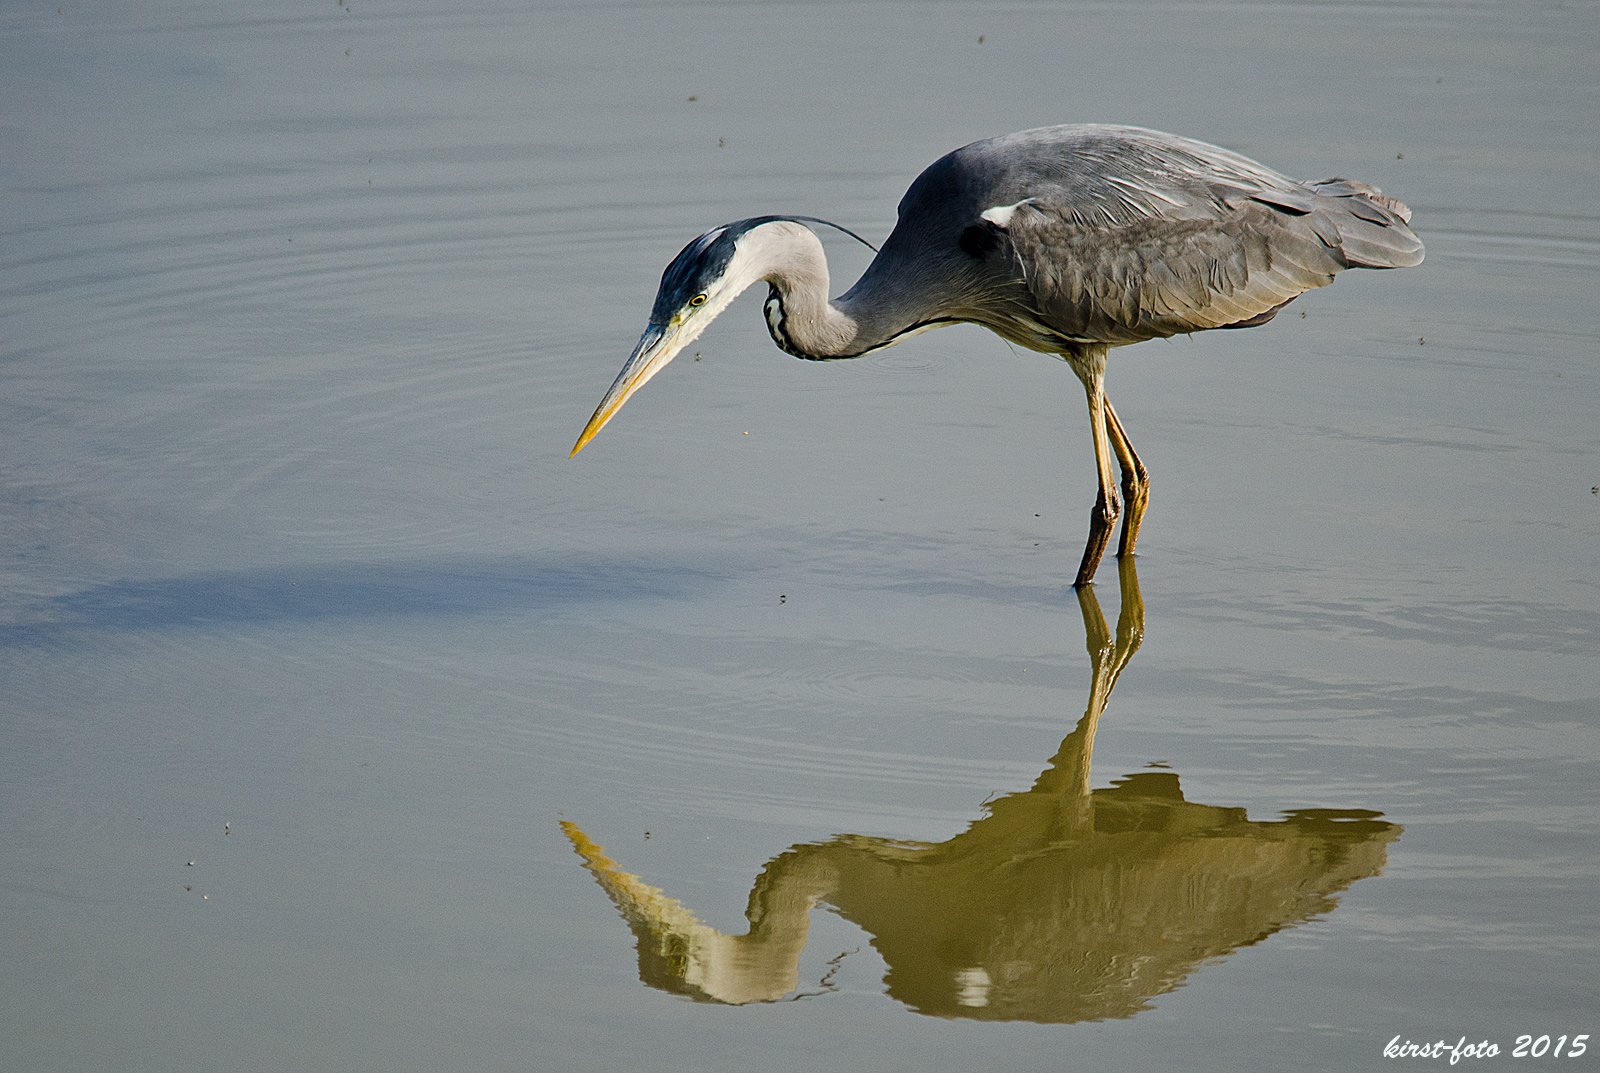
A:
x,y
1066,240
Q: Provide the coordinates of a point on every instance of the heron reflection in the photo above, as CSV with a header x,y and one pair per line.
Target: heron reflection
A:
x,y
1061,904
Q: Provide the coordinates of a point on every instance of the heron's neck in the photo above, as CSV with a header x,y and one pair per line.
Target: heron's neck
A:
x,y
803,322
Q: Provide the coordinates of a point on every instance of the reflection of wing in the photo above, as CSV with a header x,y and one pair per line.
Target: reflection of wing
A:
x,y
992,926
1124,235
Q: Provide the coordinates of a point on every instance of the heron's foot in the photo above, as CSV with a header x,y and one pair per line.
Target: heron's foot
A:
x,y
1102,520
1136,494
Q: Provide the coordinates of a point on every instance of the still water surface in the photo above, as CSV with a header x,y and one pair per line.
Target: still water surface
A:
x,y
346,724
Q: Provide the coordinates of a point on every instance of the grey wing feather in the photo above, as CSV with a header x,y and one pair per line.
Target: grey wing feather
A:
x,y
1160,278
1133,235
1373,229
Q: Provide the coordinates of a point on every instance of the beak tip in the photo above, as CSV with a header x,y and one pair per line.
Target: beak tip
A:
x,y
588,433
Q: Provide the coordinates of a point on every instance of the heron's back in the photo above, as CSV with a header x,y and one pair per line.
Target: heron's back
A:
x,y
1111,235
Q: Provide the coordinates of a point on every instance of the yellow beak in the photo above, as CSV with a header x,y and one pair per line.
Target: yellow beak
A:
x,y
659,345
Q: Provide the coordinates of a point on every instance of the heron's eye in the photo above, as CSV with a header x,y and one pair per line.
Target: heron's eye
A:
x,y
698,300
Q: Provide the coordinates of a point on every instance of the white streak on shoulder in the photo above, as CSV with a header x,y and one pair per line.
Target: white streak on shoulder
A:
x,y
1000,215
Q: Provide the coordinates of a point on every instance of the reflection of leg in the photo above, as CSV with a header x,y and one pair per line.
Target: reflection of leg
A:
x,y
1091,369
1095,633
1103,663
1130,620
1135,482
1107,657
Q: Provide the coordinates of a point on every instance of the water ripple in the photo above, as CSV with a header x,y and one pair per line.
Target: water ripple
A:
x,y
1546,239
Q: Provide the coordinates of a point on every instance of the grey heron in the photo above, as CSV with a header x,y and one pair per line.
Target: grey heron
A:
x,y
1065,240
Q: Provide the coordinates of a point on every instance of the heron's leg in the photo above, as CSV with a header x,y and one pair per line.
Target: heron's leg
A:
x,y
1135,482
1091,369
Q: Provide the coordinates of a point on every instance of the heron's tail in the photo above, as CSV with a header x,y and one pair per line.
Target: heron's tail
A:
x,y
1374,230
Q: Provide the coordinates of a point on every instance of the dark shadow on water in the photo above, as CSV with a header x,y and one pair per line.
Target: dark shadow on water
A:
x,y
288,595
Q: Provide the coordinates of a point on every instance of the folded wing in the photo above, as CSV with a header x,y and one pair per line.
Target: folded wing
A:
x,y
1175,236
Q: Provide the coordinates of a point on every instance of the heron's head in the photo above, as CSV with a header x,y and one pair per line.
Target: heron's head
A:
x,y
699,283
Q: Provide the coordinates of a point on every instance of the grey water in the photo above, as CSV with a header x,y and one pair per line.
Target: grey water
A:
x,y
347,724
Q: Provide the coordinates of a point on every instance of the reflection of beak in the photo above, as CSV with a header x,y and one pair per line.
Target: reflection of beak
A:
x,y
659,345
